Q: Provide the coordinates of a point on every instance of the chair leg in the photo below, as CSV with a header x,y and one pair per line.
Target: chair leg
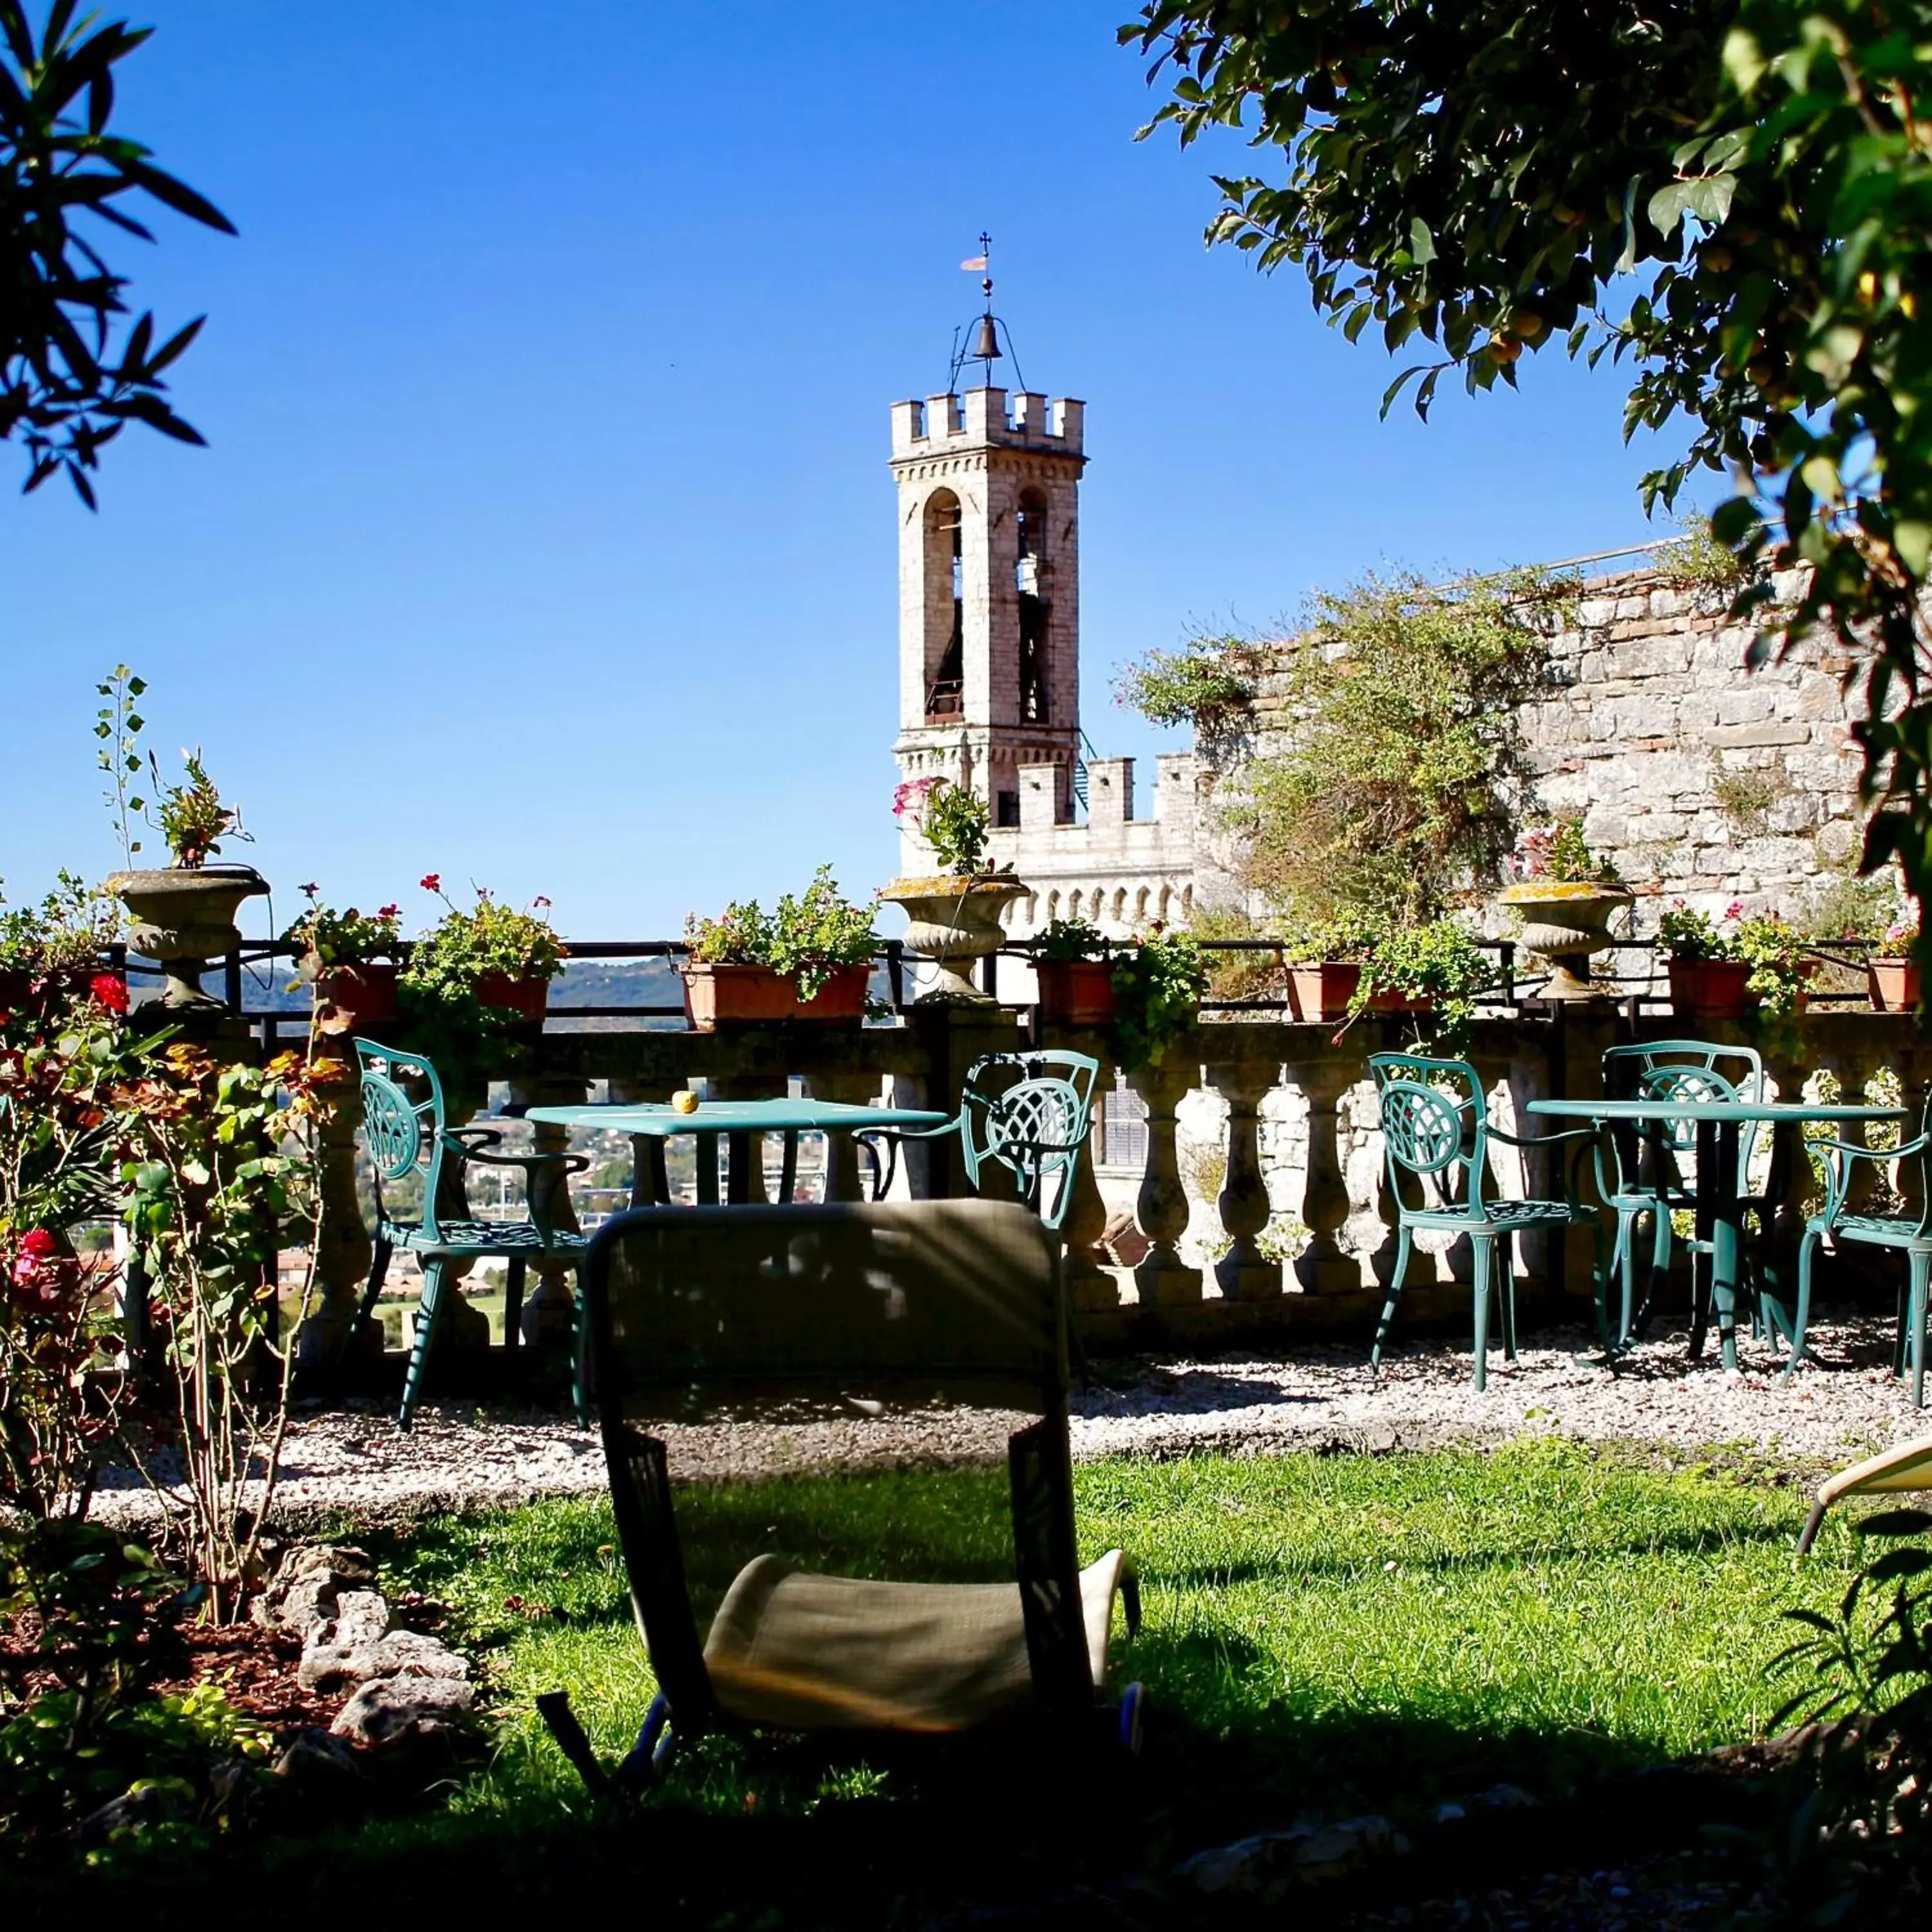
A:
x,y
1623,1265
579,1345
1402,1240
1922,1268
1903,1329
1806,1249
514,1277
1506,1290
1484,1247
1660,1254
379,1267
431,1306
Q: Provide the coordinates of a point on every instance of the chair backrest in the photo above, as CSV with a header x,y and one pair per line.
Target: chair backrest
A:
x,y
1434,1122
1700,1071
725,1306
403,1121
1030,1113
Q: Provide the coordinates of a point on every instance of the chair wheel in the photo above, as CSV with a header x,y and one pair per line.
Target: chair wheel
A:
x,y
1133,1705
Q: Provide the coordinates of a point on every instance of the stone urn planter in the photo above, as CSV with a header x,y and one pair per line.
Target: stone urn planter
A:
x,y
1710,989
1075,992
352,999
184,917
955,920
1564,923
1893,985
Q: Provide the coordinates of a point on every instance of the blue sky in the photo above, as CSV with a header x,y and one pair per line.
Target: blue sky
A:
x,y
545,536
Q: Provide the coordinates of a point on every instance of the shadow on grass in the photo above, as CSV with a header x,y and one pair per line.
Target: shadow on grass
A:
x,y
782,1833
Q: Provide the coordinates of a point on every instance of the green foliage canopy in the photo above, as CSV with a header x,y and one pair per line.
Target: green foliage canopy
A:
x,y
66,389
1397,783
1484,176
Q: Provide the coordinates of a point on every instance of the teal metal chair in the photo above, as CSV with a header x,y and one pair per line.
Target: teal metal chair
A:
x,y
406,1126
1027,1113
1912,1234
1694,1070
1436,1132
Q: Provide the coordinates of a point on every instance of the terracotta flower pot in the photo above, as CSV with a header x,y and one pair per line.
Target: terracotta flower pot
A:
x,y
1075,992
353,999
840,1001
1893,985
732,995
1321,990
954,921
528,998
1710,989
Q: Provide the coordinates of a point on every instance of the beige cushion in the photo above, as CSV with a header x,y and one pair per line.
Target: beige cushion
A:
x,y
1907,1466
803,1652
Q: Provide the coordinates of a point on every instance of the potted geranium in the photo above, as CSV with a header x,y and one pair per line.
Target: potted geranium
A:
x,y
1891,972
51,953
489,953
1075,973
1326,958
811,959
349,959
1438,969
1565,896
1159,978
1757,968
955,913
184,914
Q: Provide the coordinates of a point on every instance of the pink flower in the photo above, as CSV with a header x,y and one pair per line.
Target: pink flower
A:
x,y
431,882
106,990
540,900
1736,909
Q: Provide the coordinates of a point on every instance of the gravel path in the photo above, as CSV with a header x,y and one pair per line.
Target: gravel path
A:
x,y
462,1457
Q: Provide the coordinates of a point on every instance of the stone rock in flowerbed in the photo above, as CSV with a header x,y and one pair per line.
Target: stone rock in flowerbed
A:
x,y
1274,1865
394,1710
359,1643
305,1588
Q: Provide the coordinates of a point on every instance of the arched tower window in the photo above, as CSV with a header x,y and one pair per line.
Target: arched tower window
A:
x,y
1030,580
945,608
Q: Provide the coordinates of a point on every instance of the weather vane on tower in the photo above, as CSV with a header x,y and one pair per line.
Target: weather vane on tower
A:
x,y
985,348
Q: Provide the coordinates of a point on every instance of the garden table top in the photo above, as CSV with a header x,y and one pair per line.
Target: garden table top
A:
x,y
1734,1112
650,1124
735,1116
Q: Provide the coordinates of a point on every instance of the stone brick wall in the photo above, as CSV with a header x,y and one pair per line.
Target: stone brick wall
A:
x,y
1698,777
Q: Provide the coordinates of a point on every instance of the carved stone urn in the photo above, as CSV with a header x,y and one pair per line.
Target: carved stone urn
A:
x,y
1564,923
955,920
184,917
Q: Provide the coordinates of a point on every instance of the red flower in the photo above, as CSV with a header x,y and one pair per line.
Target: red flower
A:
x,y
105,989
389,912
431,882
541,902
39,1242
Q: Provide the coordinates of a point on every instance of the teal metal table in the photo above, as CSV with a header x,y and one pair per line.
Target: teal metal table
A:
x,y
1721,1203
650,1124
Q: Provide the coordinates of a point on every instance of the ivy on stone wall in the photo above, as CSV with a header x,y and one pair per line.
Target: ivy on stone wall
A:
x,y
1404,771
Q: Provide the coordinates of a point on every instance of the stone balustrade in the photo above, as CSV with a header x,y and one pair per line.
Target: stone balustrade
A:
x,y
1261,1196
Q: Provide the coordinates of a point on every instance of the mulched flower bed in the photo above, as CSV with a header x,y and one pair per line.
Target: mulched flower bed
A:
x,y
255,1669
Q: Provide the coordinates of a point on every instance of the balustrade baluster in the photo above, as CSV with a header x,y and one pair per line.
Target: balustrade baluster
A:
x,y
1089,1285
650,1182
342,1249
1245,1273
1163,1277
843,1179
1322,1267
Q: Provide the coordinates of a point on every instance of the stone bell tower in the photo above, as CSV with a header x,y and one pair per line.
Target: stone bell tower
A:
x,y
989,600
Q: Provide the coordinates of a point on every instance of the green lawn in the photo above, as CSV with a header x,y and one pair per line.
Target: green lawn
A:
x,y
1323,1634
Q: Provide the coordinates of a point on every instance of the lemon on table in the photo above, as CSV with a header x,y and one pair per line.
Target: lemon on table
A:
x,y
684,1101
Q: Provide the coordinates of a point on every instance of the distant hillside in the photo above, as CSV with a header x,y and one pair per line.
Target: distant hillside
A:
x,y
583,982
